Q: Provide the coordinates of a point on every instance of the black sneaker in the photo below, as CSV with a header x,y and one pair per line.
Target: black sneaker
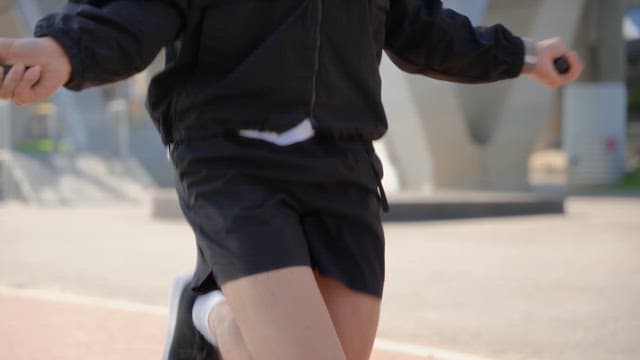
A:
x,y
184,341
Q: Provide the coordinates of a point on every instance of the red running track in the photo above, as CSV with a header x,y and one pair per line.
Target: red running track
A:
x,y
36,328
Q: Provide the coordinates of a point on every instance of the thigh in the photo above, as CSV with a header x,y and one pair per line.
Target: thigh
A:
x,y
354,315
282,316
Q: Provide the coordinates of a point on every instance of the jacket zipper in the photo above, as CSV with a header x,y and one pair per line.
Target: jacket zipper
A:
x,y
316,66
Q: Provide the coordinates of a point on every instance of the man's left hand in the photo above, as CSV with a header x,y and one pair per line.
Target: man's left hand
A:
x,y
545,72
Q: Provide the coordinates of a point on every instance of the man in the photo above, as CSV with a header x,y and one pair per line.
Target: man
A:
x,y
269,109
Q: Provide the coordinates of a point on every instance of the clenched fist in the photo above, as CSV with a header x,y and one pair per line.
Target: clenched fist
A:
x,y
40,67
545,72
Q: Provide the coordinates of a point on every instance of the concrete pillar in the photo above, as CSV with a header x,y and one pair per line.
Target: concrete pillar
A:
x,y
5,126
409,148
527,105
479,137
5,147
594,133
405,142
10,22
118,112
595,116
475,9
605,44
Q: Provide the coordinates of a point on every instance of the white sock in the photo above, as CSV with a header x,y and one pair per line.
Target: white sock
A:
x,y
200,313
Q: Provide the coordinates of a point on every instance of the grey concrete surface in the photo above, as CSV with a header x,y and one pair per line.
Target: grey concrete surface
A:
x,y
467,204
408,206
548,287
544,287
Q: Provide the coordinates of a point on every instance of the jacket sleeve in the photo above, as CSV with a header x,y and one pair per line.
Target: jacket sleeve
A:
x,y
424,38
110,40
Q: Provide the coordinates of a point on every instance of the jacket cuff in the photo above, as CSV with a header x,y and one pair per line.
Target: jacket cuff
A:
x,y
530,56
517,56
70,41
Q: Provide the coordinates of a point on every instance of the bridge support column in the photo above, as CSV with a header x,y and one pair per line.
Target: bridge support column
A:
x,y
5,148
449,136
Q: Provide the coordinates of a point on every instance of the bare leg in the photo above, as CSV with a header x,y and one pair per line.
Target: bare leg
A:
x,y
225,329
354,314
277,315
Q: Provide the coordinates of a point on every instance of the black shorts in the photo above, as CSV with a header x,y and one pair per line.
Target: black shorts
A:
x,y
256,207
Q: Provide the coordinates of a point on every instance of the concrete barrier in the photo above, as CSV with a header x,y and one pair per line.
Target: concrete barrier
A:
x,y
420,207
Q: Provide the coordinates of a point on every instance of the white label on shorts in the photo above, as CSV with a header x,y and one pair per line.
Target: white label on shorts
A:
x,y
301,132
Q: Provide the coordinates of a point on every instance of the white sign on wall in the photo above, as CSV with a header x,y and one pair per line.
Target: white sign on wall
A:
x,y
594,133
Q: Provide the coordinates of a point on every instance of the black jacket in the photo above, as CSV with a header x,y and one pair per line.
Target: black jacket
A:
x,y
268,64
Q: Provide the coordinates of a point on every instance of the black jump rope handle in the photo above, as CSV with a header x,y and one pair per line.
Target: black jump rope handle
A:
x,y
561,64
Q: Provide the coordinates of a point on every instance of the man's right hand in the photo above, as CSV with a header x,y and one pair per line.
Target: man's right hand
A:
x,y
39,68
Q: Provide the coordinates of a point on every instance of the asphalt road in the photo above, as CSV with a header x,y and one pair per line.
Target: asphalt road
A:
x,y
546,287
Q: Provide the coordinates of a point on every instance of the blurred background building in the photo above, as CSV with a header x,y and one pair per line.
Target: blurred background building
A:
x,y
511,136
